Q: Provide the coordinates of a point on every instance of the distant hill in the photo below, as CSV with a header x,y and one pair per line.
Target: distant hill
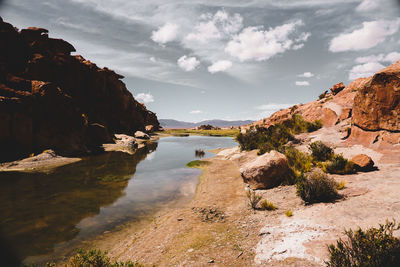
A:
x,y
168,123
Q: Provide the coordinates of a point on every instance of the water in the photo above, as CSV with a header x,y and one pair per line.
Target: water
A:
x,y
44,212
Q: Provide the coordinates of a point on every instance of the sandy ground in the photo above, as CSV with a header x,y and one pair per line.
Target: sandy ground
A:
x,y
218,228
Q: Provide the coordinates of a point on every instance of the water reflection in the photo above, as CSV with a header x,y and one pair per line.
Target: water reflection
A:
x,y
46,216
44,209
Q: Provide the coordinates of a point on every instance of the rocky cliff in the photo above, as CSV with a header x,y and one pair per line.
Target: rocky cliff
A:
x,y
52,99
369,106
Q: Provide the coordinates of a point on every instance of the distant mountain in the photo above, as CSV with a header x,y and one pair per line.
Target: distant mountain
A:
x,y
168,123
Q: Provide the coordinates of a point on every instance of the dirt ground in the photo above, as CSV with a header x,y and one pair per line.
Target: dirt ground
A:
x,y
217,227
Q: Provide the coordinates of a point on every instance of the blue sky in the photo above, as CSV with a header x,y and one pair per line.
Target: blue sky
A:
x,y
223,59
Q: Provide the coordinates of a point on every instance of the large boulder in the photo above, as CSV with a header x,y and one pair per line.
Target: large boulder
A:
x,y
266,171
337,88
377,104
363,162
142,135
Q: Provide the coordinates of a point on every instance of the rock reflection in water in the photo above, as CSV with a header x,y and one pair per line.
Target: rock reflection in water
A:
x,y
45,208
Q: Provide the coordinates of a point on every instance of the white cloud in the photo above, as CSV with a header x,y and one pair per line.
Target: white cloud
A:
x,y
302,83
367,5
371,34
365,70
392,57
216,26
144,98
153,59
273,106
254,43
306,75
268,109
371,58
196,112
188,63
167,33
221,65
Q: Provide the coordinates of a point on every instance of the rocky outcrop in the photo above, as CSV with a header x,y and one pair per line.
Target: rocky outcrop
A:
x,y
377,104
266,171
375,118
50,99
337,88
363,162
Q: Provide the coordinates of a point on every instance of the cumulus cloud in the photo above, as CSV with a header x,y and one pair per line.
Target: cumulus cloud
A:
x,y
196,112
306,75
188,63
369,35
365,70
302,83
367,5
270,108
255,43
221,65
392,57
144,98
166,33
216,26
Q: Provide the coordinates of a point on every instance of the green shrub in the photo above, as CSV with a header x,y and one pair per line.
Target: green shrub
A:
x,y
375,247
267,205
323,95
298,162
289,213
340,165
320,151
276,136
253,198
96,258
317,187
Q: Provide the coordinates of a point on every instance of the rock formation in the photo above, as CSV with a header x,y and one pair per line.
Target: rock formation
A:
x,y
266,171
50,99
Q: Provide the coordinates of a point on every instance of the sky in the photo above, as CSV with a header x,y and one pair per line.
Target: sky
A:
x,y
223,59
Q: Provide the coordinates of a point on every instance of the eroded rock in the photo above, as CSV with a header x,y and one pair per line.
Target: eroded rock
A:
x,y
363,162
266,171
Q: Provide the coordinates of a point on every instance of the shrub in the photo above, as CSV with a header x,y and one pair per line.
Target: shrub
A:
x,y
96,258
320,151
340,165
267,205
341,185
199,153
253,198
298,162
375,247
289,213
323,95
276,136
317,187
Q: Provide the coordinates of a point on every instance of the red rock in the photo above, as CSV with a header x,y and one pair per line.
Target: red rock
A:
x,y
377,104
363,162
337,88
266,171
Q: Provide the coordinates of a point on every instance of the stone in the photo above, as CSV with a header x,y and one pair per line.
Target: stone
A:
x,y
141,135
337,88
266,171
149,128
363,162
377,104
